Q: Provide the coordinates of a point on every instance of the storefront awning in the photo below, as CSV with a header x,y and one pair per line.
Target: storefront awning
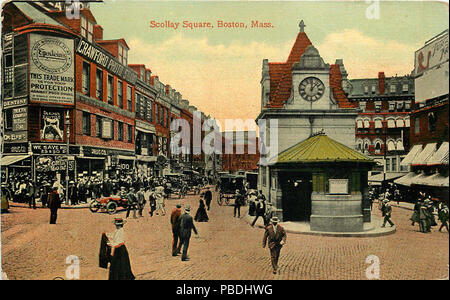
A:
x,y
389,176
425,155
406,180
440,157
436,180
11,159
416,149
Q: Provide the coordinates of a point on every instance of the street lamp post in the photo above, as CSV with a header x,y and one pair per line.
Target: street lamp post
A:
x,y
67,154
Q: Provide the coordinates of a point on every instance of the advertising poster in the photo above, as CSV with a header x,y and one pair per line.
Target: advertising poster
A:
x,y
52,125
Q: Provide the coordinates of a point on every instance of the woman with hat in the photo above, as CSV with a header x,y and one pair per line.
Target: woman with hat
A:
x,y
120,268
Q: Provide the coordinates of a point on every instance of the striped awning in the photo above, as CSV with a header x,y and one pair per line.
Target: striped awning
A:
x,y
425,155
416,149
440,157
7,160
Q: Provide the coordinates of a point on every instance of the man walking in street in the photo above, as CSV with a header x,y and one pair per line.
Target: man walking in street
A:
x,y
275,237
54,203
238,203
140,200
31,193
132,203
175,219
208,197
159,191
387,210
260,210
424,219
443,216
186,227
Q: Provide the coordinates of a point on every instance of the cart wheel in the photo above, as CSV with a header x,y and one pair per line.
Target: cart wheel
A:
x,y
111,207
94,206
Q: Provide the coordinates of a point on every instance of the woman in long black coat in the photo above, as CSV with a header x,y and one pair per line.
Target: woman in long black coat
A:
x,y
201,215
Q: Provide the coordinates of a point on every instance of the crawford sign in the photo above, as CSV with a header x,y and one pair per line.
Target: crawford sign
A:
x,y
52,69
104,59
431,55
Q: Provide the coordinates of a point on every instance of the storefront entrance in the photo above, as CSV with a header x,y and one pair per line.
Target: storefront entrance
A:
x,y
296,197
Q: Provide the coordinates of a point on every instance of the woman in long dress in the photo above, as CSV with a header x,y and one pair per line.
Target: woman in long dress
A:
x,y
120,268
201,215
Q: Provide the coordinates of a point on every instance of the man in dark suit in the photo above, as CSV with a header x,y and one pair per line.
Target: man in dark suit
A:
x,y
208,197
275,236
186,226
54,203
175,219
132,203
260,211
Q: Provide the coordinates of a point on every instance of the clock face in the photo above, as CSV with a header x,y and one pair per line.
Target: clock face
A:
x,y
311,89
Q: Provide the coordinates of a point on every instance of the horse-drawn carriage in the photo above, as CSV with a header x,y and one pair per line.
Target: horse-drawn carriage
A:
x,y
194,181
177,185
110,204
227,186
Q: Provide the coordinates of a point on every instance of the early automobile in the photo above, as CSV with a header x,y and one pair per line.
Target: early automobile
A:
x,y
110,204
227,186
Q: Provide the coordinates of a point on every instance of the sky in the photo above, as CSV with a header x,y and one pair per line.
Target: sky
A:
x,y
219,69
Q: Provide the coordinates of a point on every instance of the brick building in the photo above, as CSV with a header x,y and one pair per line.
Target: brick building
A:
x,y
245,152
428,156
382,125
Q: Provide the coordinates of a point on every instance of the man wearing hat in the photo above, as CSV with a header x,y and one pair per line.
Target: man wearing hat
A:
x,y
175,219
186,227
387,213
132,203
275,237
239,199
208,197
54,203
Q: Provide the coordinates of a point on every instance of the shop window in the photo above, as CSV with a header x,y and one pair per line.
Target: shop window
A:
x,y
120,93
86,123
99,85
110,90
86,78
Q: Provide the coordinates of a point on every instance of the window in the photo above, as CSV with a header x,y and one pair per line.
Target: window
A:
x,y
120,93
393,88
129,95
417,126
8,119
150,110
388,165
432,120
110,90
137,105
374,88
394,164
366,89
123,55
377,147
130,133
405,88
99,126
377,106
407,106
142,74
120,131
99,90
86,123
87,28
86,78
391,106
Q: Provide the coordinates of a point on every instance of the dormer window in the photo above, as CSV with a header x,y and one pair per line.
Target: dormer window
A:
x,y
366,89
87,28
393,88
123,55
142,74
405,88
373,89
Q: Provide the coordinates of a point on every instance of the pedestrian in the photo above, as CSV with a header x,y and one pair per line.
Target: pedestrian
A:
x,y
208,197
120,267
387,213
31,194
186,227
175,220
152,202
238,203
54,203
430,208
415,216
443,216
275,237
260,210
140,200
252,204
73,193
44,191
201,215
132,203
424,224
160,205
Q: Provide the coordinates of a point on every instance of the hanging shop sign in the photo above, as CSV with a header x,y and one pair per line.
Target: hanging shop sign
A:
x,y
104,59
49,149
52,69
53,163
19,118
52,125
14,103
15,137
15,148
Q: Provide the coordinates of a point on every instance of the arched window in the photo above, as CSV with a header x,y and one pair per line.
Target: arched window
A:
x,y
378,146
391,145
400,145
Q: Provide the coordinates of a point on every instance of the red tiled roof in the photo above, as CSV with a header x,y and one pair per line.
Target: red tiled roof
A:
x,y
281,77
338,92
280,73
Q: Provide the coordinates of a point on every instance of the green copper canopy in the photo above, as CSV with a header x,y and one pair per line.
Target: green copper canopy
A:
x,y
320,148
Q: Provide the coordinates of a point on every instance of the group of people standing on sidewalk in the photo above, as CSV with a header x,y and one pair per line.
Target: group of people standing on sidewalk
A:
x,y
424,214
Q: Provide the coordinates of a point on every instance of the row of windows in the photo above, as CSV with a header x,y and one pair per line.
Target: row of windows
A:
x,y
99,89
99,128
145,108
432,121
392,88
391,145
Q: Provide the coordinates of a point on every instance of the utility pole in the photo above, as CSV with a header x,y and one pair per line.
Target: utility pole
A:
x,y
67,155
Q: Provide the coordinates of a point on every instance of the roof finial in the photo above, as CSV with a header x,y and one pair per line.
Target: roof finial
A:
x,y
302,26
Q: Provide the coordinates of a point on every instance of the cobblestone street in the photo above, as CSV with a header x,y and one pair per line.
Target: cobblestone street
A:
x,y
227,248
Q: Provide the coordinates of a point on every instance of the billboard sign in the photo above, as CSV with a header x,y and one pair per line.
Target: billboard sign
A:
x,y
431,55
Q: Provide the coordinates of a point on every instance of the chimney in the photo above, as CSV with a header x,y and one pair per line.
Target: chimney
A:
x,y
98,32
381,82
